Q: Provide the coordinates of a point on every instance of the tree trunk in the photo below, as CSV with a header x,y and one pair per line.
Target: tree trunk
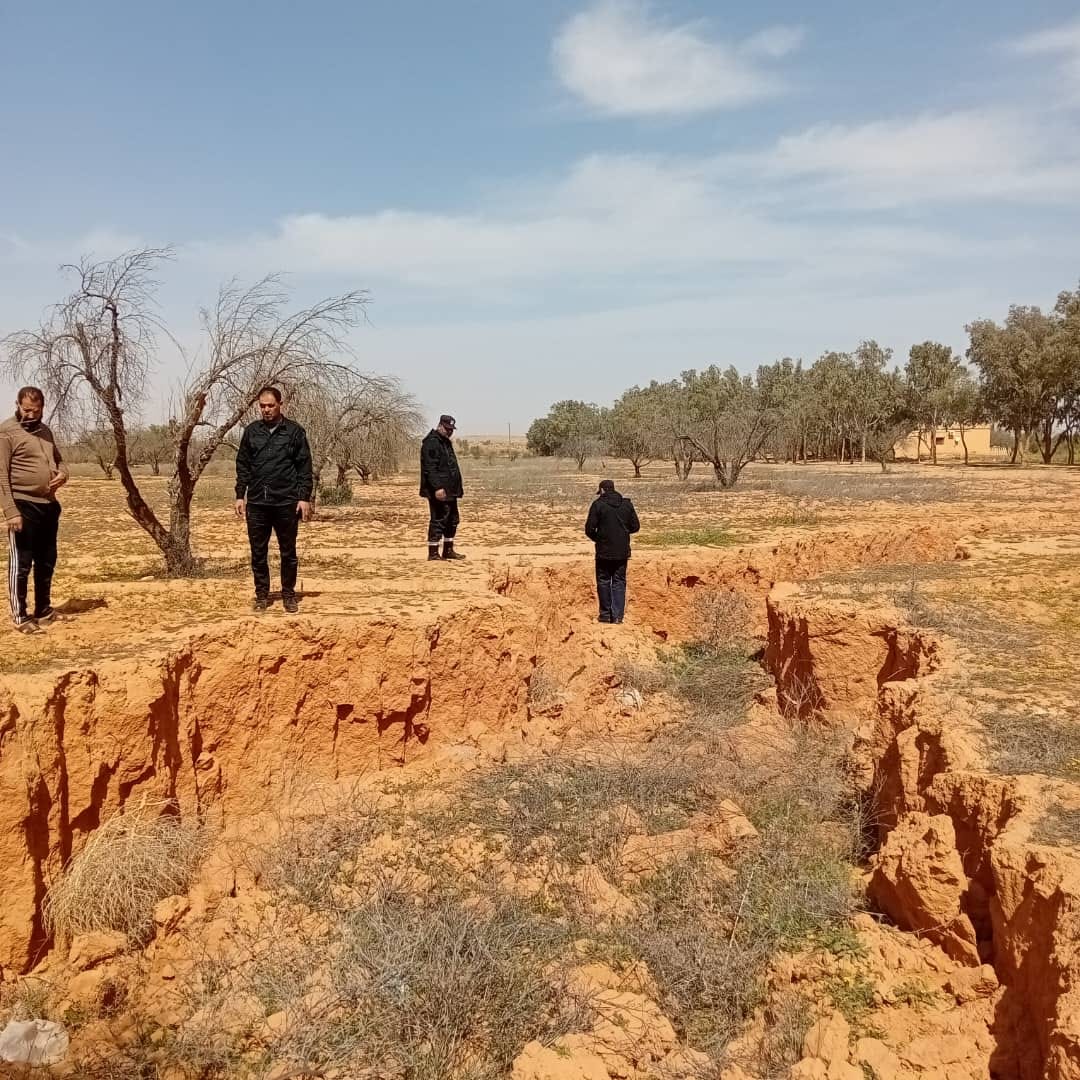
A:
x,y
155,466
1072,448
884,467
176,548
864,447
918,446
637,470
1046,442
342,475
933,445
963,443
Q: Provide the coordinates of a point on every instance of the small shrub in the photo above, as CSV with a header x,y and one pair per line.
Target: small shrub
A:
x,y
544,689
916,994
645,678
719,683
721,619
787,1020
128,864
854,996
581,804
335,494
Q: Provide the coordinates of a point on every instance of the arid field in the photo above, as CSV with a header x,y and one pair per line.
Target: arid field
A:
x,y
813,810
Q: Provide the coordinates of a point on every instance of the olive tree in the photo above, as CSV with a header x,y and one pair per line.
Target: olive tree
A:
x,y
727,420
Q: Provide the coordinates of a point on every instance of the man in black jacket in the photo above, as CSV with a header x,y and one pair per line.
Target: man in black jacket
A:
x,y
273,490
440,484
611,522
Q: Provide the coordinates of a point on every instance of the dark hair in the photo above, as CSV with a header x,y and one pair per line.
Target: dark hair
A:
x,y
31,392
271,390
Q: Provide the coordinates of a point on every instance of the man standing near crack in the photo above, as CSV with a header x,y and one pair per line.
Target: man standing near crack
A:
x,y
31,473
612,519
440,484
273,492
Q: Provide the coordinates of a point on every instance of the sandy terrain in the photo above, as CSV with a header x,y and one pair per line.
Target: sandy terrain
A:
x,y
925,617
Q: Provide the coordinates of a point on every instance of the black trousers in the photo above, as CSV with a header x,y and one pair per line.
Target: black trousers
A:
x,y
444,521
611,588
33,547
284,522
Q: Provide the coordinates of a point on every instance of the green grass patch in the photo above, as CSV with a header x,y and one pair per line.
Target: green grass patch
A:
x,y
705,536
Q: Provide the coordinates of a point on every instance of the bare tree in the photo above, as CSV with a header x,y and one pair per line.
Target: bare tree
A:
x,y
151,445
356,421
97,347
97,444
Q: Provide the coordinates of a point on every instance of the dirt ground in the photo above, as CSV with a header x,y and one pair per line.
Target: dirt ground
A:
x,y
368,558
927,614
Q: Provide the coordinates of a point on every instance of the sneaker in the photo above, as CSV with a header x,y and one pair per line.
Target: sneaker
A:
x,y
260,605
290,604
48,618
28,626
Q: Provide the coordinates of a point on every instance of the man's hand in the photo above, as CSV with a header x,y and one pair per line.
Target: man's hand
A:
x,y
441,494
57,481
241,506
304,510
15,524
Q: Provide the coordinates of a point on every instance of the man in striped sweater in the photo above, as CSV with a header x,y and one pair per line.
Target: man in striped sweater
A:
x,y
31,472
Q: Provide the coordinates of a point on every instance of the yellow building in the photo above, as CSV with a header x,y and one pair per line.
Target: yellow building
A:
x,y
949,445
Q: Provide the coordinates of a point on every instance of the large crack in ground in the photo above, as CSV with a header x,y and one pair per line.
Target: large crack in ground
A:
x,y
227,728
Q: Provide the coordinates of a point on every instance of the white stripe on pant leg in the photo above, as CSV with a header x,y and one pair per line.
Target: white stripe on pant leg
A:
x,y
13,577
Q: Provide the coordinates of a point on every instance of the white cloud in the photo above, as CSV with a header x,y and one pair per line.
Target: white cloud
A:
x,y
609,217
776,41
933,158
621,60
1062,41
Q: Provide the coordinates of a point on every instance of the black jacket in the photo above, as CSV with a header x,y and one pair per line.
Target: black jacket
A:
x,y
438,467
611,521
273,469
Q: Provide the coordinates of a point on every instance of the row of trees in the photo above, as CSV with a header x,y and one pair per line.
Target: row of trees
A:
x,y
1025,377
95,350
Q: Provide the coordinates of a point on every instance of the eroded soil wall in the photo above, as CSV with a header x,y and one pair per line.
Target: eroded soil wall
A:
x,y
221,724
956,861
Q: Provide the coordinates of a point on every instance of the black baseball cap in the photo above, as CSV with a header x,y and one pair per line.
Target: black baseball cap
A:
x,y
447,420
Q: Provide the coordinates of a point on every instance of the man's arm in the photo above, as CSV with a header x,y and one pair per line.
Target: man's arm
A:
x,y
7,500
592,522
632,523
429,463
243,465
303,468
61,464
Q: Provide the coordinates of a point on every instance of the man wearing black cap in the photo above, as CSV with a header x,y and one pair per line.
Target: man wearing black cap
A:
x,y
440,484
611,522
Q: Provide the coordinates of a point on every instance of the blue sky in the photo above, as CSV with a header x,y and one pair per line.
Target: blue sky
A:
x,y
553,199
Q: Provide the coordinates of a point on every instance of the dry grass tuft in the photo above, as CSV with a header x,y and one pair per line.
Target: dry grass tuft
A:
x,y
584,808
545,691
1059,826
128,864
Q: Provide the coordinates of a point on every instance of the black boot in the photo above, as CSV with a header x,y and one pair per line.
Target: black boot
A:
x,y
433,553
448,551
